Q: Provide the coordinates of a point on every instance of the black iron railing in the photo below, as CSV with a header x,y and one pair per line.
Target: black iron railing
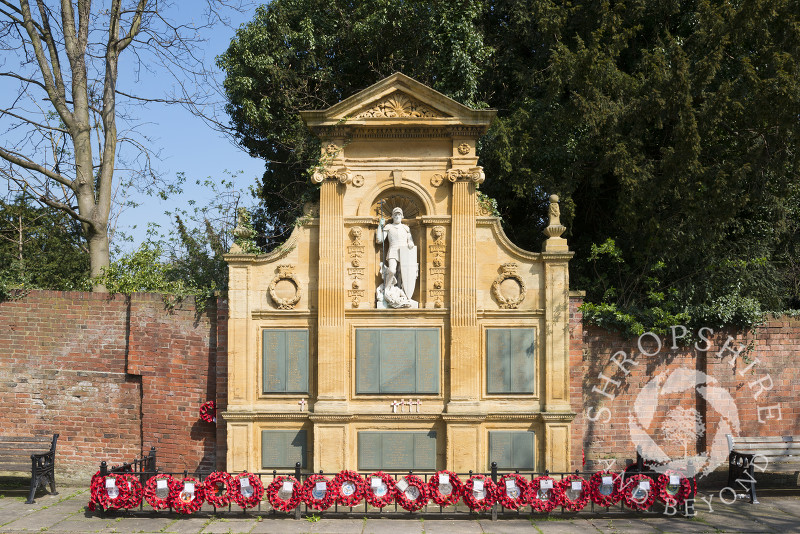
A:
x,y
142,470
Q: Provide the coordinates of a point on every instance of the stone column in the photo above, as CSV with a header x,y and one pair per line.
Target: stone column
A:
x,y
331,334
556,256
465,365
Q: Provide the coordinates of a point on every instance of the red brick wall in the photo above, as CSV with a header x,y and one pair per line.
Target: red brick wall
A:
x,y
112,375
725,393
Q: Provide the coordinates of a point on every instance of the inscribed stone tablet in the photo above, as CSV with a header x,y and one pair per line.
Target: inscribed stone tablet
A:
x,y
398,360
296,361
368,361
522,361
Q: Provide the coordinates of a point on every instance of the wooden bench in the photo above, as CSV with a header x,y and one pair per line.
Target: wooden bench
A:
x,y
776,454
37,453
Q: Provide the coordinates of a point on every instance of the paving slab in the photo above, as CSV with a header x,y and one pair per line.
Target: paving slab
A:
x,y
393,526
724,520
230,525
338,526
448,526
39,520
282,526
188,525
81,524
622,524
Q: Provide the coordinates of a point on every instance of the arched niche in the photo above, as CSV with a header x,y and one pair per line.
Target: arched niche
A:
x,y
408,195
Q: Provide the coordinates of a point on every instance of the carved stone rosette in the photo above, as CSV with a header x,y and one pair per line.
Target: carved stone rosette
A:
x,y
505,300
355,252
285,272
437,250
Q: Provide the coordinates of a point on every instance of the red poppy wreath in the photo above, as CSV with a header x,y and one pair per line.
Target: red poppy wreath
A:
x,y
348,486
246,490
671,493
189,498
379,489
317,493
574,492
159,489
478,493
444,488
638,492
218,489
284,493
511,491
412,493
604,488
543,494
208,412
110,492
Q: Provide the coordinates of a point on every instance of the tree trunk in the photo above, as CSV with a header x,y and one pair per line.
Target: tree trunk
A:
x,y
98,257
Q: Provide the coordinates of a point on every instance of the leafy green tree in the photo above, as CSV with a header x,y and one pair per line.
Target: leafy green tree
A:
x,y
310,54
40,248
668,129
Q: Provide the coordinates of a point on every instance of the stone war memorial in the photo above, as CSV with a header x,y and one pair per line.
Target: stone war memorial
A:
x,y
398,328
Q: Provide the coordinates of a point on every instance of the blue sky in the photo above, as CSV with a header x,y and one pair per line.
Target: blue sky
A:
x,y
186,143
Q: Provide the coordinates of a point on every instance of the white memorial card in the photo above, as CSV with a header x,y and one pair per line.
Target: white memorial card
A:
x,y
244,482
577,485
477,485
607,481
511,484
189,486
444,479
161,484
376,482
402,485
321,486
111,483
674,480
644,485
288,485
546,484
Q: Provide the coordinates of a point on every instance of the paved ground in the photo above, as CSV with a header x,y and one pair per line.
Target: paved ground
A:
x,y
66,513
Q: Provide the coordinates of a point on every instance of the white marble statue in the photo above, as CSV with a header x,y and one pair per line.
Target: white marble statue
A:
x,y
399,267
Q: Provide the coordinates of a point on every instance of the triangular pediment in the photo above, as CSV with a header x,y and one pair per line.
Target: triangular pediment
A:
x,y
394,99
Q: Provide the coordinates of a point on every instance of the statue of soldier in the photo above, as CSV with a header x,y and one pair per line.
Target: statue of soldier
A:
x,y
400,259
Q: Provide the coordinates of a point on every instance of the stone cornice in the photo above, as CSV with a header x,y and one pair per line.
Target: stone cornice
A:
x,y
557,417
397,312
264,416
331,418
260,415
276,313
505,313
557,256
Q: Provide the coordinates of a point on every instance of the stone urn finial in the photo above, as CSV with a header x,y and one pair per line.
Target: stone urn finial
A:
x,y
555,228
242,231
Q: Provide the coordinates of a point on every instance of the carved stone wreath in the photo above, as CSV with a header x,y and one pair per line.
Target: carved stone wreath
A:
x,y
285,272
509,272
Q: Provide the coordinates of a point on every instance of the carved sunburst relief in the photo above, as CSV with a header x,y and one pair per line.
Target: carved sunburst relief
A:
x,y
406,202
398,105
